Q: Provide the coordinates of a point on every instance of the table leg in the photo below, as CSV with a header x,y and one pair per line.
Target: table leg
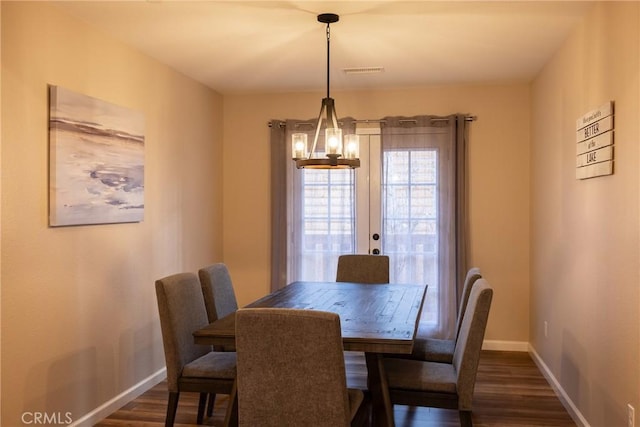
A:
x,y
381,407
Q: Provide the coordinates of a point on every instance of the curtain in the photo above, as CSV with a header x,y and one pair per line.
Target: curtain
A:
x,y
313,211
424,210
462,201
279,215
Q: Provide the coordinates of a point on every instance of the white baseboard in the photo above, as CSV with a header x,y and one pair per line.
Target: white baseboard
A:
x,y
557,388
505,345
120,400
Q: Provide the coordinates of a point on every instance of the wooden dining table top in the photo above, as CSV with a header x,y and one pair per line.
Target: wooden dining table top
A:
x,y
380,318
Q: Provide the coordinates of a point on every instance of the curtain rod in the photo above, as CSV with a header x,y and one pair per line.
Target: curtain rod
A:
x,y
443,119
467,118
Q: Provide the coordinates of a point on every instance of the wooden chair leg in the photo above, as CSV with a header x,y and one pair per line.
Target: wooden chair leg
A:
x,y
231,417
212,401
172,407
201,404
465,419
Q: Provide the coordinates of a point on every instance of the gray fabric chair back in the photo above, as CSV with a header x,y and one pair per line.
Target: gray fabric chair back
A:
x,y
466,355
472,275
217,288
291,368
182,311
363,268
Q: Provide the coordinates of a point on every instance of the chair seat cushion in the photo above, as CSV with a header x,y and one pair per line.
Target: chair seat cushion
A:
x,y
433,350
416,375
212,365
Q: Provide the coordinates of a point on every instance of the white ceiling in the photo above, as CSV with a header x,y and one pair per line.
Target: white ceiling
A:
x,y
242,46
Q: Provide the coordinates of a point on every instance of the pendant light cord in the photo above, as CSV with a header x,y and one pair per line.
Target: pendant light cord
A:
x,y
328,47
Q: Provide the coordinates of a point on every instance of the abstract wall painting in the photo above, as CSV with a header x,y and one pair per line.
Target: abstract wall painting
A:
x,y
96,155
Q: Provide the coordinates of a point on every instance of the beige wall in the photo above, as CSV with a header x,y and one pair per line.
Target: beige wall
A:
x,y
79,322
79,315
0,218
585,233
499,182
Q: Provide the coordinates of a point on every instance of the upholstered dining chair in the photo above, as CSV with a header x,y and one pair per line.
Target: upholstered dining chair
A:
x,y
219,299
441,350
190,367
446,385
217,288
291,370
359,268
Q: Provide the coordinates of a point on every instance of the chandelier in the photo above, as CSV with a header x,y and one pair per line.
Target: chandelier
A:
x,y
338,155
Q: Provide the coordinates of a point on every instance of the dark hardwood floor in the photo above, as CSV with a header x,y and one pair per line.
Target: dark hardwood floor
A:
x,y
510,391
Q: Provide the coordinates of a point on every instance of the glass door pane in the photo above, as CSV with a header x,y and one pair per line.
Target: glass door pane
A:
x,y
326,222
409,219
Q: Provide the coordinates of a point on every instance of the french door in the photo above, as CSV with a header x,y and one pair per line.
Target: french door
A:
x,y
394,204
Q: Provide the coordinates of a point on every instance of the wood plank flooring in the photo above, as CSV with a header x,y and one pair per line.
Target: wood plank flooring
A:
x,y
510,391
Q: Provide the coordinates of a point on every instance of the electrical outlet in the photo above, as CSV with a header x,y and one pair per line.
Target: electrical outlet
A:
x,y
546,329
631,412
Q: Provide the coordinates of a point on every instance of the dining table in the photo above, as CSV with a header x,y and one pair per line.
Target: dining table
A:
x,y
375,319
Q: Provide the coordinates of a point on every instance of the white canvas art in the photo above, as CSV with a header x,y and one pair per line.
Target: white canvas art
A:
x,y
96,167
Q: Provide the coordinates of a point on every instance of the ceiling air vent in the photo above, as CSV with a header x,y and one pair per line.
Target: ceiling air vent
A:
x,y
363,70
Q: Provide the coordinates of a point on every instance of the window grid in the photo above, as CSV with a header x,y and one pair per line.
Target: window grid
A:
x,y
410,194
328,223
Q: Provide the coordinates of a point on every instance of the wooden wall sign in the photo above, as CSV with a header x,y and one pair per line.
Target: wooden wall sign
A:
x,y
594,137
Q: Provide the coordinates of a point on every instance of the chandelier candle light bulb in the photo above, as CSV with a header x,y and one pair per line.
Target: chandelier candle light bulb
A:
x,y
299,146
351,146
333,142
